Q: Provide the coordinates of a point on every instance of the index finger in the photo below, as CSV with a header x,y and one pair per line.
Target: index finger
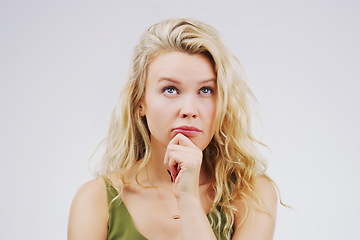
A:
x,y
181,139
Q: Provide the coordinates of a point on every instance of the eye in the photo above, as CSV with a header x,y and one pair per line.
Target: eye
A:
x,y
206,90
170,90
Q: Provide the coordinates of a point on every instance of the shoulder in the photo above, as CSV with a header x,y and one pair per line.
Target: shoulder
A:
x,y
266,190
253,221
89,211
91,193
93,186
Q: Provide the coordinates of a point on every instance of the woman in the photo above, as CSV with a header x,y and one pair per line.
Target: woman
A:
x,y
180,160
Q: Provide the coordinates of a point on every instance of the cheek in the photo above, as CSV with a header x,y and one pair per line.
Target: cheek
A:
x,y
212,118
156,112
155,108
211,110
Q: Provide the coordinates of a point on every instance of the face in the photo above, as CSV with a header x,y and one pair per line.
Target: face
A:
x,y
180,97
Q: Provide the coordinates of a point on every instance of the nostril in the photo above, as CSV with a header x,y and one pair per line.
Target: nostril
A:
x,y
188,115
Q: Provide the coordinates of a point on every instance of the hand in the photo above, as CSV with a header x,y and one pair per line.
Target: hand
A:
x,y
183,159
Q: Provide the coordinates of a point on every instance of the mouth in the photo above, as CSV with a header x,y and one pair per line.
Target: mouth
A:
x,y
189,131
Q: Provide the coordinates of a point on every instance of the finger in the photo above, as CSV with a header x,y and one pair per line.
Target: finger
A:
x,y
180,148
171,147
181,139
178,177
173,168
170,163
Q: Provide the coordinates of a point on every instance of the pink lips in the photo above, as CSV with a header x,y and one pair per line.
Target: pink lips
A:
x,y
189,131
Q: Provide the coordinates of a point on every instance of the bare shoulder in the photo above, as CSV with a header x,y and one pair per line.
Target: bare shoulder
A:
x,y
89,212
252,222
93,187
266,190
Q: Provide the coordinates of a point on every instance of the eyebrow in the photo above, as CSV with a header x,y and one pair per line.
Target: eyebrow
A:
x,y
177,82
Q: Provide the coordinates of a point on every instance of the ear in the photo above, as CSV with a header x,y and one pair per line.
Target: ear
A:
x,y
141,110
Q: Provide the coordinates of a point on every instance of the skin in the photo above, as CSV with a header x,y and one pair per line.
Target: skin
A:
x,y
180,91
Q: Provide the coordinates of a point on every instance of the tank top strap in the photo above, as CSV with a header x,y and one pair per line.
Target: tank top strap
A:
x,y
120,225
110,191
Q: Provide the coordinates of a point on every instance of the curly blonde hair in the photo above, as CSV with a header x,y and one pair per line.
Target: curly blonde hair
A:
x,y
231,157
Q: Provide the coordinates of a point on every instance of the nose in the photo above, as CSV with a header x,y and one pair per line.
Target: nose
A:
x,y
188,108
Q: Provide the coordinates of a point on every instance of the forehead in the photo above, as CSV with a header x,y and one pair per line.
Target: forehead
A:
x,y
180,67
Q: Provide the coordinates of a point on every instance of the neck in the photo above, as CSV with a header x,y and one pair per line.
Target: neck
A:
x,y
156,169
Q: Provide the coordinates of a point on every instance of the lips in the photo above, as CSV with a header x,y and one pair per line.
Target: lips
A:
x,y
189,131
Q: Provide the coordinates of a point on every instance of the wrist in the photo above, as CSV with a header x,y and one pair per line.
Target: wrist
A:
x,y
193,218
188,201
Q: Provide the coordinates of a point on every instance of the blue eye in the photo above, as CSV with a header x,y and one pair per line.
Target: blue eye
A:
x,y
206,90
170,90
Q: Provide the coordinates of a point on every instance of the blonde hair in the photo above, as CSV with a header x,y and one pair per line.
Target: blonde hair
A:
x,y
231,157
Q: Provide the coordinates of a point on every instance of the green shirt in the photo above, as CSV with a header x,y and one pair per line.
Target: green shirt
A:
x,y
121,225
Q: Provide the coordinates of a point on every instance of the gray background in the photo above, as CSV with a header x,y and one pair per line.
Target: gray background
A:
x,y
62,64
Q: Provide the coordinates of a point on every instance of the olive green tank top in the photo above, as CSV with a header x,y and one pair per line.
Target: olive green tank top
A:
x,y
121,225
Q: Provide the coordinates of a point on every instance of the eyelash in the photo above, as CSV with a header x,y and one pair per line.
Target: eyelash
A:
x,y
209,89
169,87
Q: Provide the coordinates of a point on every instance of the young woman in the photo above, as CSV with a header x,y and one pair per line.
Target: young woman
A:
x,y
180,160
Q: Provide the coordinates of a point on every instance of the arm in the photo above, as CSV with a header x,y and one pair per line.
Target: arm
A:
x,y
89,212
195,224
183,159
257,225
